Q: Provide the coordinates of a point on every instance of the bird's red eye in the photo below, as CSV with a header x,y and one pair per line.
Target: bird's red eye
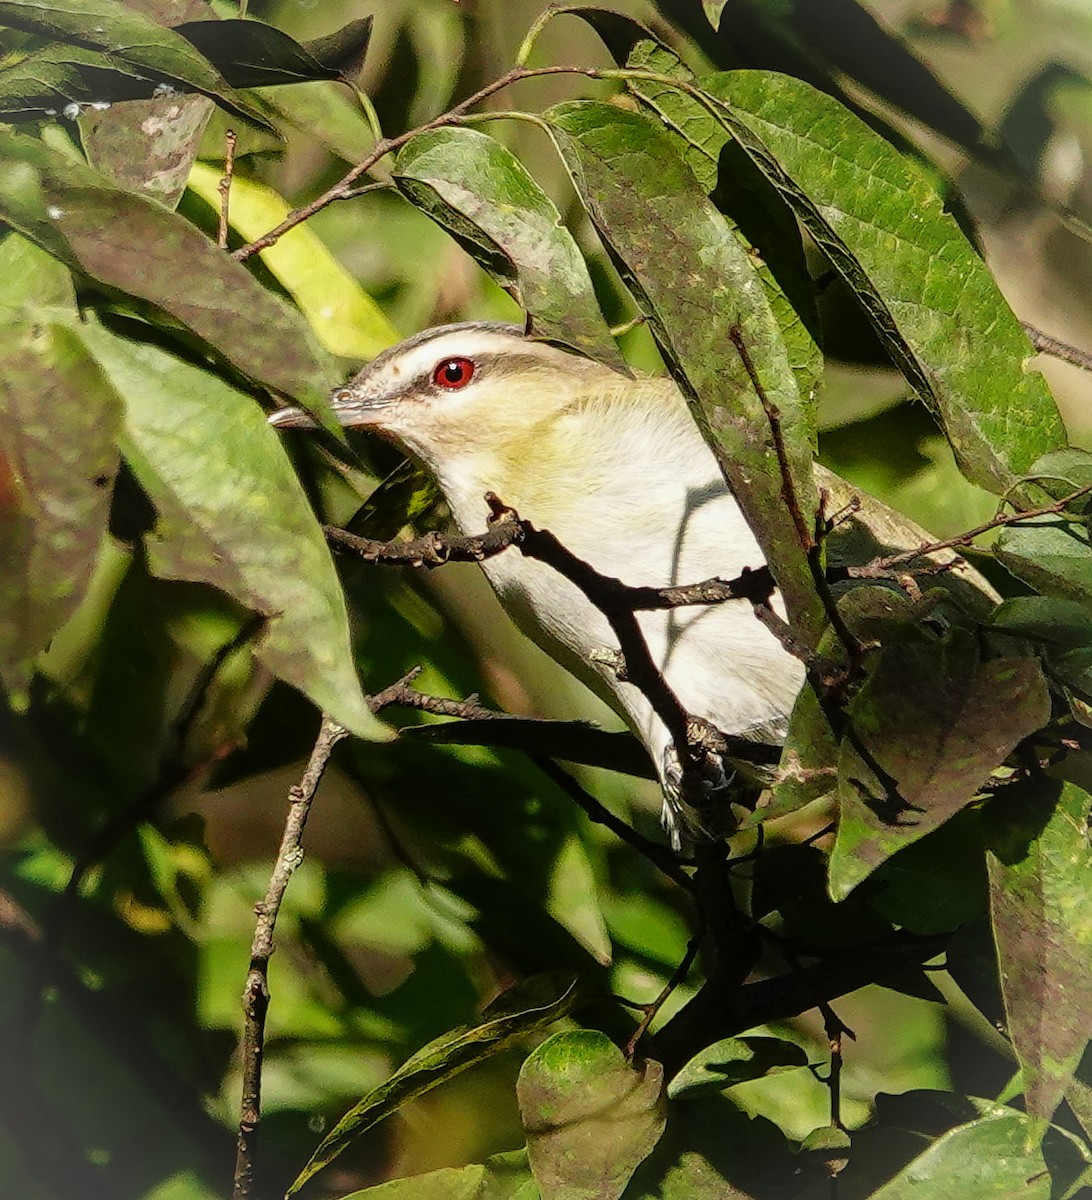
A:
x,y
453,373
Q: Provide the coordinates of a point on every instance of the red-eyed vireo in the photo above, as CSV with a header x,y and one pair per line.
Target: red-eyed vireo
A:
x,y
617,470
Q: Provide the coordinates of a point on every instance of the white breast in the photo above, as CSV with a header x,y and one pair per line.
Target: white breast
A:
x,y
640,498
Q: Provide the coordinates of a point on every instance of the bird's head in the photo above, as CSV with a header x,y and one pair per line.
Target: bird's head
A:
x,y
477,389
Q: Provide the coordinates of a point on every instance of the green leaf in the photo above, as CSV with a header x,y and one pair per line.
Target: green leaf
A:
x,y
231,513
1050,554
134,245
713,10
590,1116
246,53
930,723
930,297
130,39
994,1157
526,1008
699,288
31,279
1041,909
469,183
59,419
573,741
345,319
448,1183
250,53
735,1060
147,146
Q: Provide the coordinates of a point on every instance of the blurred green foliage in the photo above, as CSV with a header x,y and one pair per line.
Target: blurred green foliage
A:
x,y
146,753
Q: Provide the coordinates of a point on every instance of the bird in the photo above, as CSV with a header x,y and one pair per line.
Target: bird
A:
x,y
615,467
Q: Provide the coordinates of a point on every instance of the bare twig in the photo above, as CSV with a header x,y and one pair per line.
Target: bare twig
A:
x,y
256,990
678,977
884,564
657,854
225,187
1046,344
343,189
809,543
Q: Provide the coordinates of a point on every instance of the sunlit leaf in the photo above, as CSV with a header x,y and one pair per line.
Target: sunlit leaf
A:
x,y
930,297
346,320
134,245
528,1007
994,1157
230,512
735,1060
1041,910
590,1116
700,290
473,186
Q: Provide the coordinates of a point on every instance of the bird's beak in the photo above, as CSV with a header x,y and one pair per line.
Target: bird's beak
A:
x,y
349,408
291,418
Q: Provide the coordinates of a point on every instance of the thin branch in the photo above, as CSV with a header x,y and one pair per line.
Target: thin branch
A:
x,y
1046,344
343,189
678,978
965,539
225,188
809,543
256,990
619,602
656,853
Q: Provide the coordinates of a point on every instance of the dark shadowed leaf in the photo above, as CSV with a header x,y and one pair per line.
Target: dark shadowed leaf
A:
x,y
712,1149
930,297
699,288
246,53
345,48
621,34
136,246
473,186
995,1157
147,146
526,1008
590,1116
1040,870
930,724
59,420
253,54
573,741
230,512
130,39
735,1060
